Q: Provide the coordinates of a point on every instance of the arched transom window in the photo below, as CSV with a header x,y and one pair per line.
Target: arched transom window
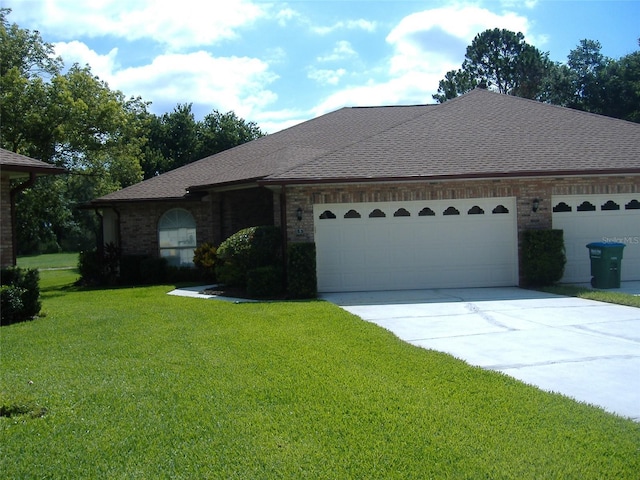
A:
x,y
177,237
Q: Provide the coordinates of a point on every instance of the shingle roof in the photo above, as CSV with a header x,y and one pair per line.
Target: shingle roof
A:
x,y
480,134
14,162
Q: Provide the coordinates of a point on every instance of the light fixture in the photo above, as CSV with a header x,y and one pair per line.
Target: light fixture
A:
x,y
299,213
535,204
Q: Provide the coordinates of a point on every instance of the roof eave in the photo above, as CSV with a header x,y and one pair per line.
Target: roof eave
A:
x,y
472,176
26,169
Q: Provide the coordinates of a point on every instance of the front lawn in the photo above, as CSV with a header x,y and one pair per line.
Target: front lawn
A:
x,y
133,383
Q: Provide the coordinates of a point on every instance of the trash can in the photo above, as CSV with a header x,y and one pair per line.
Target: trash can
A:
x,y
606,263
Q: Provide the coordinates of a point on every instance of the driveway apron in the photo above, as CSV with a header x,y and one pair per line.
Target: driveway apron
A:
x,y
584,349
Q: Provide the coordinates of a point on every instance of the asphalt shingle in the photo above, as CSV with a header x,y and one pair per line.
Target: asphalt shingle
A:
x,y
480,134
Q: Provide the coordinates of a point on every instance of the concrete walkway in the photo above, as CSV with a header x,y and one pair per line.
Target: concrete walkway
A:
x,y
584,349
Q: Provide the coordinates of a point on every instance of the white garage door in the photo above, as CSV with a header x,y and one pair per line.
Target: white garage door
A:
x,y
409,245
598,218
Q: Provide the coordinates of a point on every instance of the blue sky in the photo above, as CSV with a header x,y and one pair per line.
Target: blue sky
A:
x,y
280,63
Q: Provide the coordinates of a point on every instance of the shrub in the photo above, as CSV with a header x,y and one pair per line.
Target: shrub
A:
x,y
204,258
543,257
20,294
10,304
153,270
265,282
100,268
301,270
246,250
131,269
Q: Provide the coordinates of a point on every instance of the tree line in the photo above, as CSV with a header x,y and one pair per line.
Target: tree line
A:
x,y
71,118
502,60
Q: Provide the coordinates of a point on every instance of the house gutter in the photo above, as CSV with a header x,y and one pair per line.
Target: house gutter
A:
x,y
436,178
283,231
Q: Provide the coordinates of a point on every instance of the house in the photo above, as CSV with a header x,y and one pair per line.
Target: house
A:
x,y
16,168
405,197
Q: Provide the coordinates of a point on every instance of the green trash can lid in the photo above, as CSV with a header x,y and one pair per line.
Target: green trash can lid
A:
x,y
605,244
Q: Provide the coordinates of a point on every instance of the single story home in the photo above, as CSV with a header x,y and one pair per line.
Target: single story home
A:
x,y
17,172
405,197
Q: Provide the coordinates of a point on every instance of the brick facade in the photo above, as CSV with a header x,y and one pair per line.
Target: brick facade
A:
x,y
6,235
525,190
217,216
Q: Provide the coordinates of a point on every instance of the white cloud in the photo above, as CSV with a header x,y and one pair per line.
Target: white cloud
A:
x,y
325,76
179,25
224,83
342,51
285,15
102,66
435,40
359,24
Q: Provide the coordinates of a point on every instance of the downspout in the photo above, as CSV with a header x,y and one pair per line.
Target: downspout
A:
x,y
100,239
12,195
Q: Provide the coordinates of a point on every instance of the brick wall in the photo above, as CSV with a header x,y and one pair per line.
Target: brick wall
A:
x,y
217,216
525,190
139,225
6,237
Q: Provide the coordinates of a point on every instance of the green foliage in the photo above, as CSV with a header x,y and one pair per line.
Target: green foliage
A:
x,y
265,282
205,258
20,294
171,387
543,256
247,250
100,267
177,138
500,60
301,270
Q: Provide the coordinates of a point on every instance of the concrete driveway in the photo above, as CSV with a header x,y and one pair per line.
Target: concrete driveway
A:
x,y
581,348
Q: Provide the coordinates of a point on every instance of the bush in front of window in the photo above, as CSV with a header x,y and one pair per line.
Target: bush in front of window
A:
x,y
247,250
205,259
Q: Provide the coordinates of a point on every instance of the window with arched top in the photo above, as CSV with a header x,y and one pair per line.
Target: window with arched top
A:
x,y
177,237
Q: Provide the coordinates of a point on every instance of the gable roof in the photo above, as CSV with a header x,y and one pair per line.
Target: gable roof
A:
x,y
20,165
478,135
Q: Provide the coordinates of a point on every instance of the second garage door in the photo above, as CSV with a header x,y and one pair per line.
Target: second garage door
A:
x,y
598,218
409,245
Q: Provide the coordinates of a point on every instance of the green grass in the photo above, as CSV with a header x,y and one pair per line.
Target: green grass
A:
x,y
51,260
599,295
133,383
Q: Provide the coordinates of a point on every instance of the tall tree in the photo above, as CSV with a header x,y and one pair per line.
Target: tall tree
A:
x,y
177,138
71,119
221,131
587,65
501,60
622,88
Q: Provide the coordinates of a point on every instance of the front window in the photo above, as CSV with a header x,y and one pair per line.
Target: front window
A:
x,y
177,237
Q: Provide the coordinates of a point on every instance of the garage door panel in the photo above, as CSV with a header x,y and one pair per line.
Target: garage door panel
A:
x,y
583,227
413,251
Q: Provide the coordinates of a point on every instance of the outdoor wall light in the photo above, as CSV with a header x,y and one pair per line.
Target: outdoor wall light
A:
x,y
535,204
299,214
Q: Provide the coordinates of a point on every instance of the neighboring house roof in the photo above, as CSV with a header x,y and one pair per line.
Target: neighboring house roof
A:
x,y
478,135
19,165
